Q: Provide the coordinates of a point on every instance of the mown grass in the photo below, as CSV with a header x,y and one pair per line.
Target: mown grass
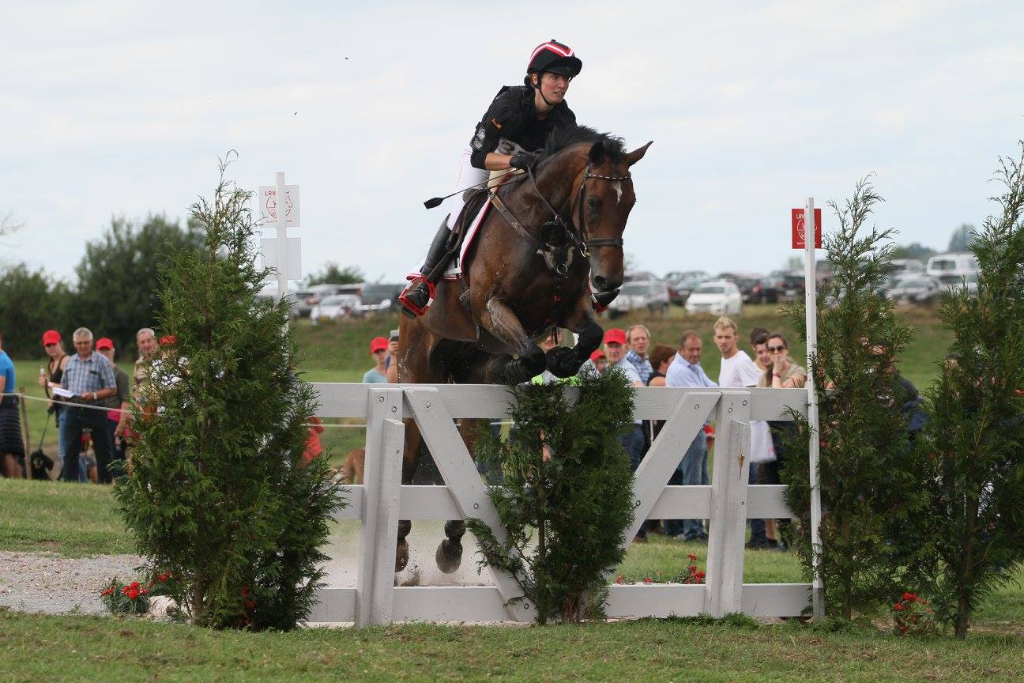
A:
x,y
48,648
67,519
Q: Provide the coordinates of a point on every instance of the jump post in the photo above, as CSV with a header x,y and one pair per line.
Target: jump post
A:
x,y
382,500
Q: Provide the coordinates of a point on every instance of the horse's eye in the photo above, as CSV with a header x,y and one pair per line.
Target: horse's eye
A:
x,y
593,203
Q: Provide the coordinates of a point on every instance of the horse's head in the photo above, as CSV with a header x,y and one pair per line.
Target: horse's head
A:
x,y
601,207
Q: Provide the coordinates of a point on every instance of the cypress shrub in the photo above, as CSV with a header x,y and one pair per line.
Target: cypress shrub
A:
x,y
867,480
564,517
217,495
974,442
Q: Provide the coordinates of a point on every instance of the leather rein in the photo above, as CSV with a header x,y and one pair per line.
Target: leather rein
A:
x,y
576,235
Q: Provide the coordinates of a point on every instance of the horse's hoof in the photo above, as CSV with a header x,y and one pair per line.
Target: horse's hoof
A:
x,y
448,556
402,555
563,362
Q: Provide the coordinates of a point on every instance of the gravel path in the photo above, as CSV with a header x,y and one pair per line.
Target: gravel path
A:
x,y
52,584
44,582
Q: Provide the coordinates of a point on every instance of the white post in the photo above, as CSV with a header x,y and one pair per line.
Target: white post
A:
x,y
282,239
382,475
728,524
811,300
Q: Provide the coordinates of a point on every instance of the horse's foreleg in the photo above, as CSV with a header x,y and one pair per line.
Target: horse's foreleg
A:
x,y
504,325
565,362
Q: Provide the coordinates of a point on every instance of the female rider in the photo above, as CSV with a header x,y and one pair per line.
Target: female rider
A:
x,y
523,115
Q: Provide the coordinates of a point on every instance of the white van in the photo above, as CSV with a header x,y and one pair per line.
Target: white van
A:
x,y
953,270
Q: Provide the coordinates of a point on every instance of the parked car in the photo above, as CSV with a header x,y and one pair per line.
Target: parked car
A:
x,y
916,289
906,266
952,264
335,307
270,294
379,297
303,303
755,288
681,284
955,282
639,294
720,297
792,284
320,292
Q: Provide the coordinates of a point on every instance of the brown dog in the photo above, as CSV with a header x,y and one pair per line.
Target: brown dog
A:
x,y
352,470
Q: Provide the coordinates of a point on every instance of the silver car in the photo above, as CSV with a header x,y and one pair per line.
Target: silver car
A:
x,y
643,294
915,289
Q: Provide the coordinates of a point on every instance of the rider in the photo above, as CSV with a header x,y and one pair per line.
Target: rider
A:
x,y
523,115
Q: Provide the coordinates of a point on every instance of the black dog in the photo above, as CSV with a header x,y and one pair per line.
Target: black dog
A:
x,y
41,465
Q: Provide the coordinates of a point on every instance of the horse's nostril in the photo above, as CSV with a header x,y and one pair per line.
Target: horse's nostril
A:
x,y
600,281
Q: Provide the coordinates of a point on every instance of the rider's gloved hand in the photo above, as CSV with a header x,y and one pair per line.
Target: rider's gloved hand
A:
x,y
522,160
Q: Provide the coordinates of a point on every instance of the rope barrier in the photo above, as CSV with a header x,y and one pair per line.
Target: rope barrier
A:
x,y
119,410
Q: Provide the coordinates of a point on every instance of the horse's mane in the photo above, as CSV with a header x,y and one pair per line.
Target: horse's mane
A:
x,y
567,136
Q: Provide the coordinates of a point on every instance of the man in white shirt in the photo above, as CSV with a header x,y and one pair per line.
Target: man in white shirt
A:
x,y
686,371
737,372
633,440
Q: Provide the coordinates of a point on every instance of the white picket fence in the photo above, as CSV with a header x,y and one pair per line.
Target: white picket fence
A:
x,y
381,501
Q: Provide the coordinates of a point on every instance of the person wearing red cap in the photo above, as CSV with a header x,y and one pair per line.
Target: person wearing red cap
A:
x,y
514,128
633,440
117,416
379,351
49,379
595,365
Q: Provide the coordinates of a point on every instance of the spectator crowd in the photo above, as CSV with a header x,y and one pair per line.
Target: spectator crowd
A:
x,y
89,398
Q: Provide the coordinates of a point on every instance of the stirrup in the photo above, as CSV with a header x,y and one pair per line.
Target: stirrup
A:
x,y
410,307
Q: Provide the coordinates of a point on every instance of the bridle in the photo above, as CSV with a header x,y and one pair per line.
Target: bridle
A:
x,y
576,233
581,195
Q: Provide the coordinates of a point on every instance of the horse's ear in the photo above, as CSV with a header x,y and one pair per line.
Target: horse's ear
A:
x,y
637,154
597,152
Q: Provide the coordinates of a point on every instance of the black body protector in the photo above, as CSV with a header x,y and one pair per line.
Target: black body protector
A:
x,y
512,116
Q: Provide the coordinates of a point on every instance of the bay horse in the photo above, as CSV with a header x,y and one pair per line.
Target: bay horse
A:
x,y
547,240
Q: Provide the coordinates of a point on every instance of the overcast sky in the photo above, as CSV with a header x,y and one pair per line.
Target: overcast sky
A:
x,y
122,109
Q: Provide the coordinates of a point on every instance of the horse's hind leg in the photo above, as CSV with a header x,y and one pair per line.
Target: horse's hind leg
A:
x,y
416,364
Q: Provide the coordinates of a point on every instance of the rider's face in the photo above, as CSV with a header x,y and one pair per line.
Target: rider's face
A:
x,y
553,87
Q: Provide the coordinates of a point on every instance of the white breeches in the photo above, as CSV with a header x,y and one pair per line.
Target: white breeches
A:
x,y
467,175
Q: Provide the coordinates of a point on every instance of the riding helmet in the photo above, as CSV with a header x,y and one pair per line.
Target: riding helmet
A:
x,y
554,57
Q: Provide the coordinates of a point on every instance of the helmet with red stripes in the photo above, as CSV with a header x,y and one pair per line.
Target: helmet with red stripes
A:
x,y
554,57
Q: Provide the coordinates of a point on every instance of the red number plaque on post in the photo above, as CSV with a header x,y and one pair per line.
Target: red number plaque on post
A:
x,y
798,229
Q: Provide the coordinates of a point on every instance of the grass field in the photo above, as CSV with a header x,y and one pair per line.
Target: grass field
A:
x,y
41,648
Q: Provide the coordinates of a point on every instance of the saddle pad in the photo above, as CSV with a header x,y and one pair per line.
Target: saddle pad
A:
x,y
454,270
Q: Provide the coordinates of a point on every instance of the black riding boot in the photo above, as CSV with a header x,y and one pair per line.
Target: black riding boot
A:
x,y
417,295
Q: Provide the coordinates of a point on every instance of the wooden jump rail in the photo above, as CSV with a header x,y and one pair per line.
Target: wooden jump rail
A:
x,y
382,500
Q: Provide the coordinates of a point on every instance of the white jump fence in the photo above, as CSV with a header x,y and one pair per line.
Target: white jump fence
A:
x,y
381,501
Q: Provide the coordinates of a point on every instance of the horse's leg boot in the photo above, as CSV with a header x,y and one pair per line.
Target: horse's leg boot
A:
x,y
416,297
563,362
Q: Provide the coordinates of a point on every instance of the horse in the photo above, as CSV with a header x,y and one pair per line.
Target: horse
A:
x,y
552,237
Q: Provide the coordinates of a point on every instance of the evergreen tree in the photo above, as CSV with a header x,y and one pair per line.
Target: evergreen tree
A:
x,y
218,495
332,274
974,443
564,516
30,303
119,277
962,238
866,480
